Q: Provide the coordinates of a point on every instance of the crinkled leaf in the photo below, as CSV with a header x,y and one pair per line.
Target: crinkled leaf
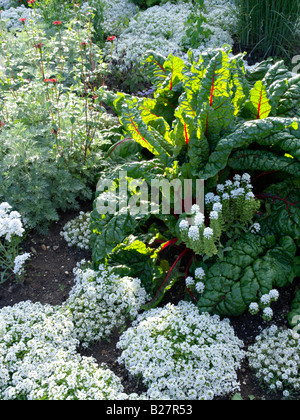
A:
x,y
253,267
264,161
242,137
283,204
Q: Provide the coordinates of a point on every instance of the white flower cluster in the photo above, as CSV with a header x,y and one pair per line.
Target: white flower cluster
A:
x,y
77,231
182,354
116,15
13,15
7,4
161,28
196,283
264,304
222,13
100,301
10,223
19,263
275,357
233,203
38,358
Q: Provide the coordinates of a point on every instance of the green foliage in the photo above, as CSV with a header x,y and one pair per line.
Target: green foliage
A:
x,y
195,31
54,131
205,120
205,111
282,203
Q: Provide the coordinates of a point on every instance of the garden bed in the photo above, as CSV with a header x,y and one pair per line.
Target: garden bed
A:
x,y
49,279
105,108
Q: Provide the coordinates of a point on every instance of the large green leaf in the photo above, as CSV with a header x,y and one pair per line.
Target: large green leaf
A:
x,y
146,135
239,84
282,202
154,63
215,89
289,104
243,137
254,266
264,161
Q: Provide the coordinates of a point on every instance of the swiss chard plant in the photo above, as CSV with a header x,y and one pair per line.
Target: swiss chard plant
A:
x,y
209,119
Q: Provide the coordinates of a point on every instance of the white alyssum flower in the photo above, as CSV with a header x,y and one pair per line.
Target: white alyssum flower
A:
x,y
184,225
217,207
10,223
175,351
213,215
274,294
253,308
209,198
189,281
194,233
199,219
199,273
39,360
275,358
268,314
116,14
7,4
265,299
77,231
162,28
19,263
195,209
2,327
12,17
246,177
200,287
208,233
100,301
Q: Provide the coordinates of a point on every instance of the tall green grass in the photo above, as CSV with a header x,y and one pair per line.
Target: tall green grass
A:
x,y
268,27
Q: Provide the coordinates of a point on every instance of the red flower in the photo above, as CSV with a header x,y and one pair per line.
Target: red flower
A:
x,y
1,124
31,1
57,22
39,45
50,80
84,44
22,20
111,38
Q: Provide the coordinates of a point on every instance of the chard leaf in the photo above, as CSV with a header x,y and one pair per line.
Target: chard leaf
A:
x,y
155,67
147,136
243,137
215,89
239,85
254,266
264,161
283,202
258,105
